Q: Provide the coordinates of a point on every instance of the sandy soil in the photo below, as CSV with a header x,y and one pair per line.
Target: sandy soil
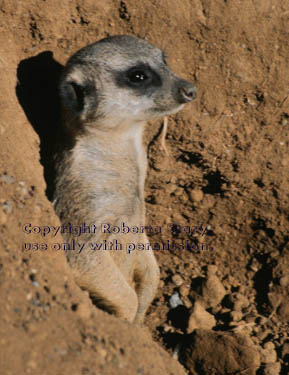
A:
x,y
227,170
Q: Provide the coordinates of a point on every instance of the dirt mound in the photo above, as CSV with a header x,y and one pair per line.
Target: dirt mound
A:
x,y
220,197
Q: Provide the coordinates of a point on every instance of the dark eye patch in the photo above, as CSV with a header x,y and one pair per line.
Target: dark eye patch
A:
x,y
140,77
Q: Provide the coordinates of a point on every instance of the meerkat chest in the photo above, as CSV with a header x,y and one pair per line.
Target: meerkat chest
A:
x,y
114,165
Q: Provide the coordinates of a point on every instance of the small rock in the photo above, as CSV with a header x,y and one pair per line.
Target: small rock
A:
x,y
268,355
285,349
226,353
22,192
184,290
102,352
269,345
284,281
237,301
176,260
32,364
7,207
8,179
208,201
262,320
3,218
272,369
250,318
61,351
283,311
84,311
187,302
177,280
200,318
196,195
167,328
212,269
175,300
236,315
209,290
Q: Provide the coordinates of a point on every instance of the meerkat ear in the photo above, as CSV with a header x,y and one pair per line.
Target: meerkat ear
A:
x,y
78,95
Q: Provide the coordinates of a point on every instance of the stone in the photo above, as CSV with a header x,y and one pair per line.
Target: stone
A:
x,y
285,349
200,318
209,290
184,290
226,353
283,310
196,195
236,315
268,354
175,300
177,280
272,369
284,281
238,301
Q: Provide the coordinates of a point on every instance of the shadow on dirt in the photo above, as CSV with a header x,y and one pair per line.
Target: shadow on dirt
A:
x,y
37,80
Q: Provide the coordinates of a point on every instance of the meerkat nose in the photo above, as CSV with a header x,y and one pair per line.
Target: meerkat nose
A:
x,y
188,93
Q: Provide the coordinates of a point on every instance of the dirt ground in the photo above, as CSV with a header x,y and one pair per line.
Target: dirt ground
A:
x,y
227,171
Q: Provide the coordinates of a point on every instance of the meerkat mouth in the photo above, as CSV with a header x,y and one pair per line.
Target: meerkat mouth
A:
x,y
166,112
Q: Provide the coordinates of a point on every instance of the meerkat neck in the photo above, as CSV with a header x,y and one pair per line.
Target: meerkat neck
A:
x,y
121,131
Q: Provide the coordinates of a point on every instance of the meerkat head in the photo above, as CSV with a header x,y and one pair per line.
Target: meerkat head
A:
x,y
121,80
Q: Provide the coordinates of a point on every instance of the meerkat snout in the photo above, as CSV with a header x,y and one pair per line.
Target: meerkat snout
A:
x,y
188,92
108,91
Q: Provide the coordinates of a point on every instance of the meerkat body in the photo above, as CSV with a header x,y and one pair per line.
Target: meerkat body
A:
x,y
109,90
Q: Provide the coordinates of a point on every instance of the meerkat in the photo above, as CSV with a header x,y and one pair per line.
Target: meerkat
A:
x,y
108,91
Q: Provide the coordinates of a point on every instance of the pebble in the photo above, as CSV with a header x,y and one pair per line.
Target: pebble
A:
x,y
238,301
268,355
22,191
200,318
208,201
269,345
262,320
209,290
177,280
184,290
83,310
7,207
226,353
236,315
175,300
62,352
284,281
6,178
283,311
3,218
196,195
272,369
285,349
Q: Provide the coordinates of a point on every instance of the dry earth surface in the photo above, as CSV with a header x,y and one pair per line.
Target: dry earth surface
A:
x,y
222,307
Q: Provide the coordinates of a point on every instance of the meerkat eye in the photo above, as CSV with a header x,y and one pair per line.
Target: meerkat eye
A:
x,y
137,76
140,78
